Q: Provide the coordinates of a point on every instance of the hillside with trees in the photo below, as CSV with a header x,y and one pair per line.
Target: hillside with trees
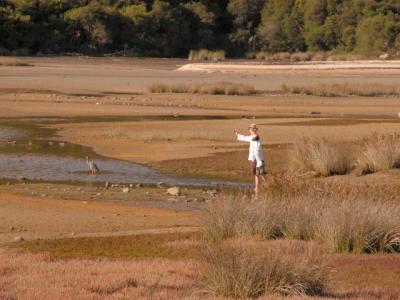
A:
x,y
171,28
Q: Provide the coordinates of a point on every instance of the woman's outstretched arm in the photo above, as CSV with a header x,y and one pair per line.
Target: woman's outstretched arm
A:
x,y
243,138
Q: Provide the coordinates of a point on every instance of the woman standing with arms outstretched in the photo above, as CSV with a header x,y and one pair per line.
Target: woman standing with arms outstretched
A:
x,y
256,155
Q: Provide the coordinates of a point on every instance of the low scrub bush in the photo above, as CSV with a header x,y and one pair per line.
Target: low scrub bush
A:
x,y
300,56
221,88
204,54
303,56
245,268
345,222
343,89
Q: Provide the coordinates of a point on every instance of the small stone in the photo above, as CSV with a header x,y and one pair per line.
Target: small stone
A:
x,y
161,184
138,186
12,228
384,56
126,190
212,193
131,185
98,194
174,191
73,234
18,239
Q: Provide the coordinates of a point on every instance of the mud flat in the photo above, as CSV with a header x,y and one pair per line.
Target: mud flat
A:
x,y
102,107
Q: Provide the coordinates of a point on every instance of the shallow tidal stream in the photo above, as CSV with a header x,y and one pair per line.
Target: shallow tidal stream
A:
x,y
32,154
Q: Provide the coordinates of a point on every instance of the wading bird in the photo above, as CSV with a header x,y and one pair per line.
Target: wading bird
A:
x,y
92,166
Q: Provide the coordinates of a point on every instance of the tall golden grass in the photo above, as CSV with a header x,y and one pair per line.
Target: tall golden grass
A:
x,y
343,89
13,62
324,157
378,153
204,54
220,88
235,216
248,268
344,222
167,133
320,155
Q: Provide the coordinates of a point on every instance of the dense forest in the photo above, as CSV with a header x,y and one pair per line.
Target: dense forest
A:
x,y
173,27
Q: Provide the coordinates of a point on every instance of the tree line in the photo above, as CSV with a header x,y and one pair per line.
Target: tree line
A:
x,y
172,28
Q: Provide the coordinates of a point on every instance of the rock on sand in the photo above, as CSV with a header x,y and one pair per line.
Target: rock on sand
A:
x,y
174,191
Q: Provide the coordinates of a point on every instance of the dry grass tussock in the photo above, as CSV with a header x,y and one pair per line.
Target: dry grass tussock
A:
x,y
204,54
13,62
379,153
321,155
343,89
343,221
324,157
247,268
220,88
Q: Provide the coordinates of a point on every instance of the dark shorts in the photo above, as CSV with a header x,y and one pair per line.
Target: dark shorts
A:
x,y
258,170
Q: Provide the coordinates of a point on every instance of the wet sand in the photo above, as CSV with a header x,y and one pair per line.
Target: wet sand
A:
x,y
45,217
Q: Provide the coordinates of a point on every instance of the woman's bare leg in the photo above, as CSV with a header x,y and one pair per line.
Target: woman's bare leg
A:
x,y
256,184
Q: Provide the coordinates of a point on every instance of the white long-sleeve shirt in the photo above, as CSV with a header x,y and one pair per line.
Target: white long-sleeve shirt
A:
x,y
255,148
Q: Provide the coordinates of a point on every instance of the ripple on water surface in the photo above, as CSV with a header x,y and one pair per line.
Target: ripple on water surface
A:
x,y
58,168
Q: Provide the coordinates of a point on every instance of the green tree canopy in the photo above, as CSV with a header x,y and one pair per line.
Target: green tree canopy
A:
x,y
174,27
